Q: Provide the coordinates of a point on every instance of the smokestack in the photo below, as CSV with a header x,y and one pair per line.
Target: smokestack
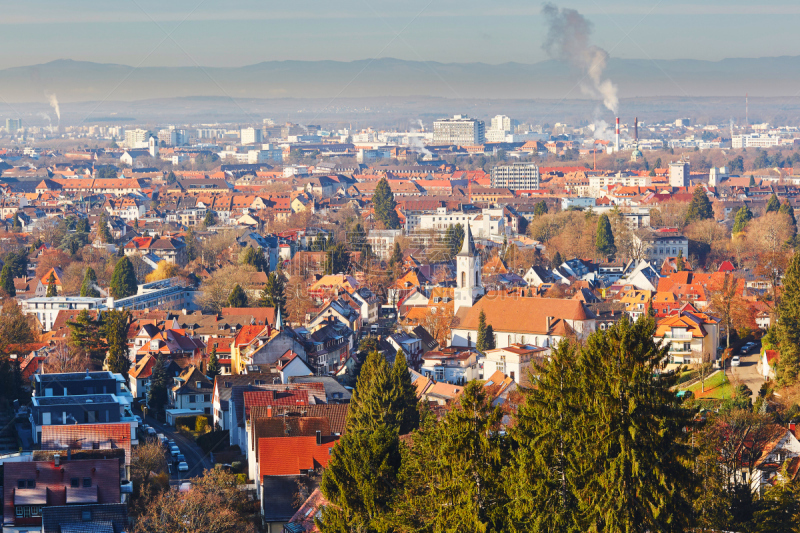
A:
x,y
616,141
636,129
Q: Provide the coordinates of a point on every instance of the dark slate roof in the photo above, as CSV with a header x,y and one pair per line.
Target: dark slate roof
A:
x,y
106,517
278,497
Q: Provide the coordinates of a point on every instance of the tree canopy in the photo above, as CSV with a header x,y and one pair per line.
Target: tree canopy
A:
x,y
385,205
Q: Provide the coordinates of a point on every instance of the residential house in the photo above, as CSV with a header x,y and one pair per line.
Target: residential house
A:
x,y
693,337
192,390
515,361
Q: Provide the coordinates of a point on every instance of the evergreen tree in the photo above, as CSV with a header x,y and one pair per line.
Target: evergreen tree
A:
x,y
700,207
780,506
404,395
547,468
210,219
237,297
385,205
357,239
157,395
454,238
773,205
52,290
82,226
540,208
171,178
85,335
192,248
7,280
378,399
557,260
103,231
788,327
679,266
212,369
337,260
743,216
480,341
115,331
360,481
489,343
18,262
16,225
633,428
787,210
256,259
397,255
452,474
88,285
605,238
273,293
123,280
658,163
752,182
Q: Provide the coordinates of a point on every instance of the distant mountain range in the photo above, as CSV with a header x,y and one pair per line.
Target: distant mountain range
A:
x,y
77,81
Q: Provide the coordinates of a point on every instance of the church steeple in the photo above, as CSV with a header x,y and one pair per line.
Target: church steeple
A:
x,y
278,320
468,247
468,281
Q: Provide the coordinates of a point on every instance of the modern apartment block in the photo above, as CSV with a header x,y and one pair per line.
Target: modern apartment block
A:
x,y
459,130
516,176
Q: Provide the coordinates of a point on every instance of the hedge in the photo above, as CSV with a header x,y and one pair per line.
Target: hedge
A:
x,y
190,421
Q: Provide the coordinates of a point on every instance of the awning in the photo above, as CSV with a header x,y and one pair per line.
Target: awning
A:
x,y
82,495
30,496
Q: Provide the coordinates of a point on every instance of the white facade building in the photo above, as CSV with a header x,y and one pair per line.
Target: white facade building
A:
x,y
251,136
459,130
516,176
755,140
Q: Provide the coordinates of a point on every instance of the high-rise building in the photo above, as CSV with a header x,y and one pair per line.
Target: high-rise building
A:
x,y
459,130
679,174
501,122
251,136
516,176
13,125
137,138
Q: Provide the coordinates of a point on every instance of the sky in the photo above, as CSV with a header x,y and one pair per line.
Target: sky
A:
x,y
243,32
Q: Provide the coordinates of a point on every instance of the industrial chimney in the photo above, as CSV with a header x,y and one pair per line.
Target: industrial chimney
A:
x,y
636,130
616,142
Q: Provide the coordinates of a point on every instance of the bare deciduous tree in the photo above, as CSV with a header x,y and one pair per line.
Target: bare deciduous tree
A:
x,y
62,358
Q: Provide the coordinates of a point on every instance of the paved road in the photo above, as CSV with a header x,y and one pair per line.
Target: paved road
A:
x,y
747,372
197,460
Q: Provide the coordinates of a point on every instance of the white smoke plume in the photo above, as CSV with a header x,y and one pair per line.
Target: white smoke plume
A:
x,y
568,40
412,141
54,105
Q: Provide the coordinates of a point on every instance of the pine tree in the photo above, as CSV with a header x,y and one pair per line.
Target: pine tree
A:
x,y
377,399
52,290
633,433
605,238
773,205
16,225
237,297
397,255
360,481
88,286
171,178
103,231
454,238
452,474
85,335
192,251
115,331
743,216
547,466
787,210
752,182
7,280
700,207
210,219
385,205
337,260
404,395
557,260
540,209
788,327
157,395
212,369
273,294
480,341
123,280
679,265
489,343
82,225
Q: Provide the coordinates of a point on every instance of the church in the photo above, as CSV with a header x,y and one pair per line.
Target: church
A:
x,y
515,319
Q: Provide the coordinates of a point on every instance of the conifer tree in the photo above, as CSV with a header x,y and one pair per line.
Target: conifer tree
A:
x,y
557,260
85,335
115,331
378,400
547,467
103,231
212,369
540,209
192,249
787,210
773,205
404,395
88,286
700,207
454,238
752,182
679,265
123,280
16,225
788,327
337,260
157,395
385,205
397,255
82,226
743,216
237,297
210,219
480,341
633,427
452,473
489,343
273,293
605,238
171,178
52,290
7,280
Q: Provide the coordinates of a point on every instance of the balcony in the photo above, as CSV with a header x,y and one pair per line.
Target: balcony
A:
x,y
685,336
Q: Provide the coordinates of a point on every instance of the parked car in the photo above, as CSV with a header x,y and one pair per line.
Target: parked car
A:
x,y
180,458
175,451
183,467
151,432
735,360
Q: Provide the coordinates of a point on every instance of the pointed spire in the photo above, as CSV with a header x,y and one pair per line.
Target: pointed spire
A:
x,y
278,320
468,248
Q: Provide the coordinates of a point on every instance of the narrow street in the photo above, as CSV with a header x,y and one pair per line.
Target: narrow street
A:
x,y
747,372
197,460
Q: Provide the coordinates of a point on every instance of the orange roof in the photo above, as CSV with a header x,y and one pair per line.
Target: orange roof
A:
x,y
246,335
289,456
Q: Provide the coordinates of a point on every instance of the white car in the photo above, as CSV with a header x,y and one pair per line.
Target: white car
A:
x,y
183,467
735,360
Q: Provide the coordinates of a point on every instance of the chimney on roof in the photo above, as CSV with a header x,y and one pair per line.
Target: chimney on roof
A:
x,y
57,460
319,437
269,411
549,319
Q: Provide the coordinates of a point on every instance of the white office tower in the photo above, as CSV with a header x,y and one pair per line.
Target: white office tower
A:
x,y
516,176
459,131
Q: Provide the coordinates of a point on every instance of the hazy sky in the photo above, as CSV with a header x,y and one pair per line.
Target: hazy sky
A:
x,y
208,32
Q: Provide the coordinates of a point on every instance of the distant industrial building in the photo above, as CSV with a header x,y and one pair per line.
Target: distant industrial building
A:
x,y
755,140
13,125
459,130
516,176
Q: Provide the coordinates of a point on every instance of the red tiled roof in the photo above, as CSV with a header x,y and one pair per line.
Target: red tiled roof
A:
x,y
272,397
290,456
84,436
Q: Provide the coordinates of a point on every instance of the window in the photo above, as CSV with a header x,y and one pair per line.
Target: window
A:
x,y
191,398
28,511
87,482
20,483
74,483
31,483
206,397
463,279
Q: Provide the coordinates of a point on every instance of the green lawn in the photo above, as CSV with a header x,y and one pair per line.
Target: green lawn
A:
x,y
717,387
